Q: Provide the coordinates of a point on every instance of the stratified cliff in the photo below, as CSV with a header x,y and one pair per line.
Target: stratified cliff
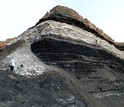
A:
x,y
67,62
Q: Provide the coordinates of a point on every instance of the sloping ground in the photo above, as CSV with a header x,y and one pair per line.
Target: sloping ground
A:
x,y
51,89
63,66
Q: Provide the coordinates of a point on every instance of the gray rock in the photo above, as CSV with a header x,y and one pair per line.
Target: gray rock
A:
x,y
61,64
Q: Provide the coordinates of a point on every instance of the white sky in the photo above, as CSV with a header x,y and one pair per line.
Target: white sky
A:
x,y
16,16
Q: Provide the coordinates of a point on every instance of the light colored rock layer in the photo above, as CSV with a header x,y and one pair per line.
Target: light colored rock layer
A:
x,y
23,56
32,65
76,33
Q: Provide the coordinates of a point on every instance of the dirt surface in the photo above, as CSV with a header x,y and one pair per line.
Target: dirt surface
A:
x,y
51,89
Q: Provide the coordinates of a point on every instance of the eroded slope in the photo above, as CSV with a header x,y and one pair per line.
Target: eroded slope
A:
x,y
98,73
63,65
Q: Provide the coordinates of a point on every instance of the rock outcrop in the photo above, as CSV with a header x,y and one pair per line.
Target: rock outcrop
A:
x,y
3,44
67,62
64,14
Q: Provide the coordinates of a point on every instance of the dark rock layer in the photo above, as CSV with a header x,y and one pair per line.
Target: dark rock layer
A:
x,y
46,90
99,72
87,76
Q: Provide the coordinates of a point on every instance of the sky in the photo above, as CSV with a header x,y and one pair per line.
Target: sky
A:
x,y
16,16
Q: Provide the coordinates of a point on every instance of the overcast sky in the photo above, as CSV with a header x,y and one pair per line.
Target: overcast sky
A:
x,y
16,16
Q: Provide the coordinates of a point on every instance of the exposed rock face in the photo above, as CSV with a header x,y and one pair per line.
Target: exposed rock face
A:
x,y
64,14
67,62
120,46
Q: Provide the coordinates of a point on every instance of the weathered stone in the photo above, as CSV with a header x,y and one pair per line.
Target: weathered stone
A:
x,y
64,14
62,61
